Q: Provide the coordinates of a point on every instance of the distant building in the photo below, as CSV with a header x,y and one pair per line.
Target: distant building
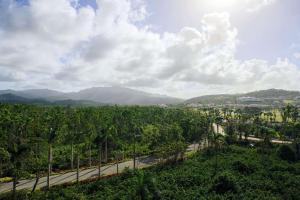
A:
x,y
249,100
163,105
297,98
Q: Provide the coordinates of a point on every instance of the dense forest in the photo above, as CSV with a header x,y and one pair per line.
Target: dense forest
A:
x,y
38,140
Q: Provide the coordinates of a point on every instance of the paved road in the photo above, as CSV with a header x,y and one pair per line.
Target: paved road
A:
x,y
275,141
105,170
85,173
251,138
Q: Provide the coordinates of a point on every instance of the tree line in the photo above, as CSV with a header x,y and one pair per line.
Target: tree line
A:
x,y
39,140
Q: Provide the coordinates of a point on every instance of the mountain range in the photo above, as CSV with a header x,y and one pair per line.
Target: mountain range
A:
x,y
125,96
90,96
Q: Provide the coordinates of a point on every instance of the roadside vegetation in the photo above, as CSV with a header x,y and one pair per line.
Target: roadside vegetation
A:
x,y
36,141
241,173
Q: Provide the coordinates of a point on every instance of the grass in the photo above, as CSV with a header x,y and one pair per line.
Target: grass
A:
x,y
241,173
277,113
288,101
6,179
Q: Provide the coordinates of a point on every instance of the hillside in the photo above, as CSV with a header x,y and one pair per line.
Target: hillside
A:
x,y
274,97
96,95
11,98
14,99
119,95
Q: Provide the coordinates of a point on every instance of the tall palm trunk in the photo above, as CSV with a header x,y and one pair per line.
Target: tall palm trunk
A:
x,y
72,156
134,162
100,161
78,162
117,165
36,181
49,165
90,155
14,188
38,170
106,149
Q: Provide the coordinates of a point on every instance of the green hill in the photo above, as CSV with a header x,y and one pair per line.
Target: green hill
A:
x,y
275,97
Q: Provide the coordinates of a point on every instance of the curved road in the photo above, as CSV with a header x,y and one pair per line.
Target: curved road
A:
x,y
251,138
105,170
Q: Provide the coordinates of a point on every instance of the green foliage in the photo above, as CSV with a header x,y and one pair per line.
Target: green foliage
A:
x,y
193,179
27,132
286,152
243,167
224,183
31,130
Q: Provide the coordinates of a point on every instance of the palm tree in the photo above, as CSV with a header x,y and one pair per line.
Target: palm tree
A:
x,y
79,138
37,141
137,133
230,130
19,148
108,134
51,139
69,135
296,138
90,132
53,124
217,142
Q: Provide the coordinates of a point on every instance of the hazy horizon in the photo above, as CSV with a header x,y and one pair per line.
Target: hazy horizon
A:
x,y
166,47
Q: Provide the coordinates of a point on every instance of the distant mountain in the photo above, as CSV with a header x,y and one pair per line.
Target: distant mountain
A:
x,y
42,93
12,98
119,95
36,94
275,97
96,95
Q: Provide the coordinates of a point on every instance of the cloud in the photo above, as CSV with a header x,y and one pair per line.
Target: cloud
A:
x,y
256,5
66,46
9,76
297,55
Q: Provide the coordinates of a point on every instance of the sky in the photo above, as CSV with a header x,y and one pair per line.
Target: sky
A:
x,y
178,48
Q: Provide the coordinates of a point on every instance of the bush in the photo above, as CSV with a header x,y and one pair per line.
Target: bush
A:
x,y
6,179
242,167
230,140
224,183
286,152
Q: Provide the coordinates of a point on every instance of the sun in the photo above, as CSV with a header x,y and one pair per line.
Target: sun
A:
x,y
223,4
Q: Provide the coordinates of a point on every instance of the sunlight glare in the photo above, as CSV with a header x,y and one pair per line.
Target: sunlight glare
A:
x,y
223,4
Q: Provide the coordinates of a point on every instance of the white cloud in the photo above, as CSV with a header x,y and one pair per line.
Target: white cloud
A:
x,y
255,5
56,45
297,55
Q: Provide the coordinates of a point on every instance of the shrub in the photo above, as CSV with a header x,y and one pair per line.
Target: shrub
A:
x,y
286,152
230,140
242,167
6,179
224,183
